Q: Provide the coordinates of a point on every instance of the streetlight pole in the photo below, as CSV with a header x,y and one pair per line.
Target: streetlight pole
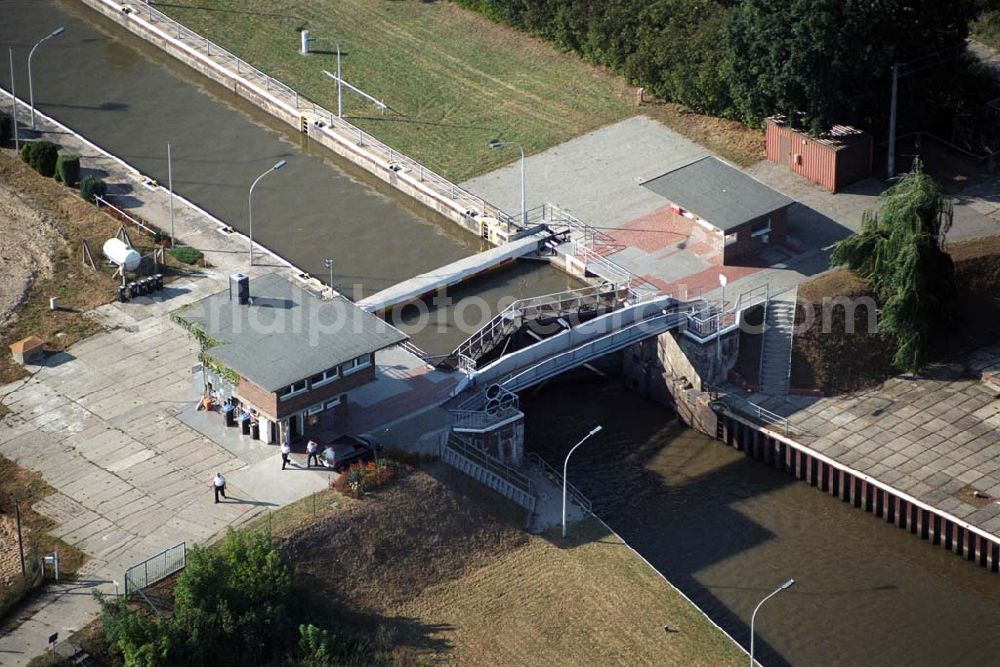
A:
x,y
328,262
593,431
170,186
305,51
13,102
31,89
278,165
496,143
785,586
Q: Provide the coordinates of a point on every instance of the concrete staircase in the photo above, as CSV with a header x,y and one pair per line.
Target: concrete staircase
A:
x,y
776,350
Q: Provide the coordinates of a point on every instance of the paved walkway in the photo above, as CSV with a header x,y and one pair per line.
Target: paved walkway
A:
x,y
596,177
100,423
936,438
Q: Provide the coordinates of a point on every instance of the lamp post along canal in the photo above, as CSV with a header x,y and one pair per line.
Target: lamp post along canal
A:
x,y
31,88
278,165
496,143
593,431
785,586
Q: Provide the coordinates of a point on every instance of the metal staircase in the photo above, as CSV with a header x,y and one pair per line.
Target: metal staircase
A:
x,y
776,350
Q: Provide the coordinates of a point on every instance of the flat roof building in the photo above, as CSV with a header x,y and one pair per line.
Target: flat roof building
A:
x,y
740,213
285,353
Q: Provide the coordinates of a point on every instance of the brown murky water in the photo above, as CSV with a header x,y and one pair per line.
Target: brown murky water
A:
x,y
727,530
131,99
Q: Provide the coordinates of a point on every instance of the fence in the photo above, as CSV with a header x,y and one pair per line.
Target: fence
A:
x,y
345,132
155,568
495,474
121,215
556,476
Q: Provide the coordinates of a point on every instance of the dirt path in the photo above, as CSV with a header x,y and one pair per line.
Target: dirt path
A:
x,y
27,239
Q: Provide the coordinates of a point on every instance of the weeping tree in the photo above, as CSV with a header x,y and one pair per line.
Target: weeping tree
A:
x,y
900,250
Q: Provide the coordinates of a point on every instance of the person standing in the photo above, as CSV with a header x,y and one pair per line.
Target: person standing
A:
x,y
312,449
286,450
219,484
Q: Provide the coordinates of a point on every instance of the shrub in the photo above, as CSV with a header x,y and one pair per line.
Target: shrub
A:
x,y
91,187
361,478
44,157
186,254
68,169
26,151
6,129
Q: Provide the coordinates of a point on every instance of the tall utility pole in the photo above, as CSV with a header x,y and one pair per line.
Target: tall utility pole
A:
x,y
170,186
891,162
20,539
13,102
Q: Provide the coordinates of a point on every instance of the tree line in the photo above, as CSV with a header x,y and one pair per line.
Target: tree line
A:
x,y
830,60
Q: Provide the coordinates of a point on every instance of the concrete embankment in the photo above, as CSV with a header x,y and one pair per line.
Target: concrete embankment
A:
x,y
465,209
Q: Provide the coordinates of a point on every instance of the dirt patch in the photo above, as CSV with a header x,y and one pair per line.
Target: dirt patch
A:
x,y
42,229
385,550
830,355
10,556
732,140
26,239
830,358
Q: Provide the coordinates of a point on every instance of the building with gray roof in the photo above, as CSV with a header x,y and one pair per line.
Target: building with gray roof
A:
x,y
284,353
743,213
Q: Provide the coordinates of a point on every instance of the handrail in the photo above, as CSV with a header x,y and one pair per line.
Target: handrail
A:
x,y
605,344
760,412
554,475
346,132
592,237
101,201
510,475
508,315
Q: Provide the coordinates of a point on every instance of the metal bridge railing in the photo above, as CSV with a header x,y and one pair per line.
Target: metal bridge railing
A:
x,y
155,568
579,230
347,132
556,476
512,476
556,303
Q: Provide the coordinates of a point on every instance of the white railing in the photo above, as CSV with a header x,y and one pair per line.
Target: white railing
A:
x,y
600,264
556,303
555,476
710,321
493,466
577,356
579,230
123,216
345,131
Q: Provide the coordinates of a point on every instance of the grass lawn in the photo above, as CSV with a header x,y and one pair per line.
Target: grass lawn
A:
x,y
453,79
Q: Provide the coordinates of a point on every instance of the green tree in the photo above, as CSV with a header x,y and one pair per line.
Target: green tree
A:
x,y
233,605
68,169
831,60
900,251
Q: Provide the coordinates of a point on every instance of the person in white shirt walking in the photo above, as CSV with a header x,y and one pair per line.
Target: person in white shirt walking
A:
x,y
286,450
312,449
219,484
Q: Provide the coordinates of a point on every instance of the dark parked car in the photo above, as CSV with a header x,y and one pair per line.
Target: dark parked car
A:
x,y
348,449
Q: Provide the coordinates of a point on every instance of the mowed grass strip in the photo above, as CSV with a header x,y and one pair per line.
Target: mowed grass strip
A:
x,y
452,79
589,602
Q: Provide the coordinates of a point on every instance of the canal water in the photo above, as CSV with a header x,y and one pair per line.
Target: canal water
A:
x,y
131,99
727,530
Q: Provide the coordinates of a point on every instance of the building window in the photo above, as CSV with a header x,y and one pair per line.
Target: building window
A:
x,y
331,404
291,390
762,228
315,410
323,378
357,364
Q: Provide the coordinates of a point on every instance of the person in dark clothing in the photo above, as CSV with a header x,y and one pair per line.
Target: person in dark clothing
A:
x,y
286,451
